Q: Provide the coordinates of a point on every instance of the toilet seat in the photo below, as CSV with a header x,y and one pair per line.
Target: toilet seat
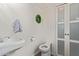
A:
x,y
44,48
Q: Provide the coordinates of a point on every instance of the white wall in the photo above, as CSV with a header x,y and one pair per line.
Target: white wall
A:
x,y
26,14
46,30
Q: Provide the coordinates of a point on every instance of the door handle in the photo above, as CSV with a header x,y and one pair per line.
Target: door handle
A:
x,y
67,34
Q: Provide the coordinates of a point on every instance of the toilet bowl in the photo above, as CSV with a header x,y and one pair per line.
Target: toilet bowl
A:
x,y
45,49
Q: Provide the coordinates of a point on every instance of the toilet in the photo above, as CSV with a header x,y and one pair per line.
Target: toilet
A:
x,y
44,49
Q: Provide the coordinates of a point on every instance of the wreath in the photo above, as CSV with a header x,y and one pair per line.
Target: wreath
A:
x,y
38,18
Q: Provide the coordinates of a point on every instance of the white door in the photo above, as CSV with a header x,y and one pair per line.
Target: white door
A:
x,y
60,48
74,29
68,29
62,39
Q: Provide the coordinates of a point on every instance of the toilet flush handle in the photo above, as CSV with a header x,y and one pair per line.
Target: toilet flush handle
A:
x,y
32,39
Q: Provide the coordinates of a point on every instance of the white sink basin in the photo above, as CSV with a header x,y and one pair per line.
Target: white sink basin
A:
x,y
10,44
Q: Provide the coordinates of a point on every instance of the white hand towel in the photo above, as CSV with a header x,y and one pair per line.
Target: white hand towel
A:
x,y
17,26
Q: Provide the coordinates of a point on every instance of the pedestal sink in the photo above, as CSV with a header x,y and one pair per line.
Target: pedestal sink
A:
x,y
10,44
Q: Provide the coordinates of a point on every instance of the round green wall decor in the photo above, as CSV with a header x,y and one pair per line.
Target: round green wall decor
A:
x,y
38,18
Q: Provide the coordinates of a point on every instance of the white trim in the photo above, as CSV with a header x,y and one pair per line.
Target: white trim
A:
x,y
56,44
75,41
61,4
60,22
67,29
61,39
74,21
